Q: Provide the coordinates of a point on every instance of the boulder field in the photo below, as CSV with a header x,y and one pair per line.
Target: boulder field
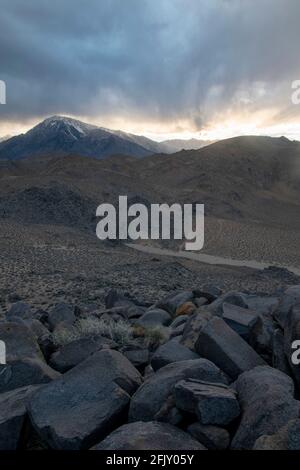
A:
x,y
200,369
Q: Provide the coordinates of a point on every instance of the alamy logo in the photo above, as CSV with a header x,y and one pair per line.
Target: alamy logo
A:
x,y
2,353
159,221
2,92
295,357
296,94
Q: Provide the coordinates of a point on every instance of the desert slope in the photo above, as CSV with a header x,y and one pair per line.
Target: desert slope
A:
x,y
249,185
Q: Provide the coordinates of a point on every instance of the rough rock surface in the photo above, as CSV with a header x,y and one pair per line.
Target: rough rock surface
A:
x,y
287,438
223,346
61,313
172,351
212,437
193,326
240,319
27,371
20,342
154,318
279,359
212,403
289,299
12,416
267,402
77,351
86,403
19,309
151,396
149,436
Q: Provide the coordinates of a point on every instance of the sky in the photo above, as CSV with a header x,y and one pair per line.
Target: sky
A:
x,y
207,69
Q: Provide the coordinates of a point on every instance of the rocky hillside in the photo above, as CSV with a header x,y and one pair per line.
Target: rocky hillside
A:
x,y
197,370
249,185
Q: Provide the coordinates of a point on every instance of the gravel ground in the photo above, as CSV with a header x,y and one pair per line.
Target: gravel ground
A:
x,y
44,265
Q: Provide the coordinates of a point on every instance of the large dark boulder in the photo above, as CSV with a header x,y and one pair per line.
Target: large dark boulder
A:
x,y
152,395
261,336
266,397
20,342
208,291
61,313
19,309
223,346
77,351
263,304
138,356
212,437
179,321
212,403
25,363
242,320
12,416
171,351
193,326
149,436
287,438
36,327
231,297
27,371
86,403
153,318
289,299
279,359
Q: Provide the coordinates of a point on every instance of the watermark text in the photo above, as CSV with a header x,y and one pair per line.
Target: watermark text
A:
x,y
159,221
2,92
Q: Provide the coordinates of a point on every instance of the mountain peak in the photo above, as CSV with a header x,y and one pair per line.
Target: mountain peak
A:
x,y
63,135
58,122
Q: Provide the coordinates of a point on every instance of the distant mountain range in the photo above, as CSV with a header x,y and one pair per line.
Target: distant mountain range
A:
x,y
62,135
176,145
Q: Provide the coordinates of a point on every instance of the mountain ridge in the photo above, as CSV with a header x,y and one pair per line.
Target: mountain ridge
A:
x,y
65,135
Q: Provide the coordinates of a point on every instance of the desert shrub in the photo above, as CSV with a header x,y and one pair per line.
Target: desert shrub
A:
x,y
63,336
154,337
118,331
138,331
121,332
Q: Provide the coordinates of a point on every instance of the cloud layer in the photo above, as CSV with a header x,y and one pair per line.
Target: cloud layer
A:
x,y
168,61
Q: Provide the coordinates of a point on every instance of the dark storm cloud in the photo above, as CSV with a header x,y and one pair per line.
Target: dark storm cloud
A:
x,y
156,59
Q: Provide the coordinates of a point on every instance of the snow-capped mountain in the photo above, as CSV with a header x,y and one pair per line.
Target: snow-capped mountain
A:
x,y
65,124
62,135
